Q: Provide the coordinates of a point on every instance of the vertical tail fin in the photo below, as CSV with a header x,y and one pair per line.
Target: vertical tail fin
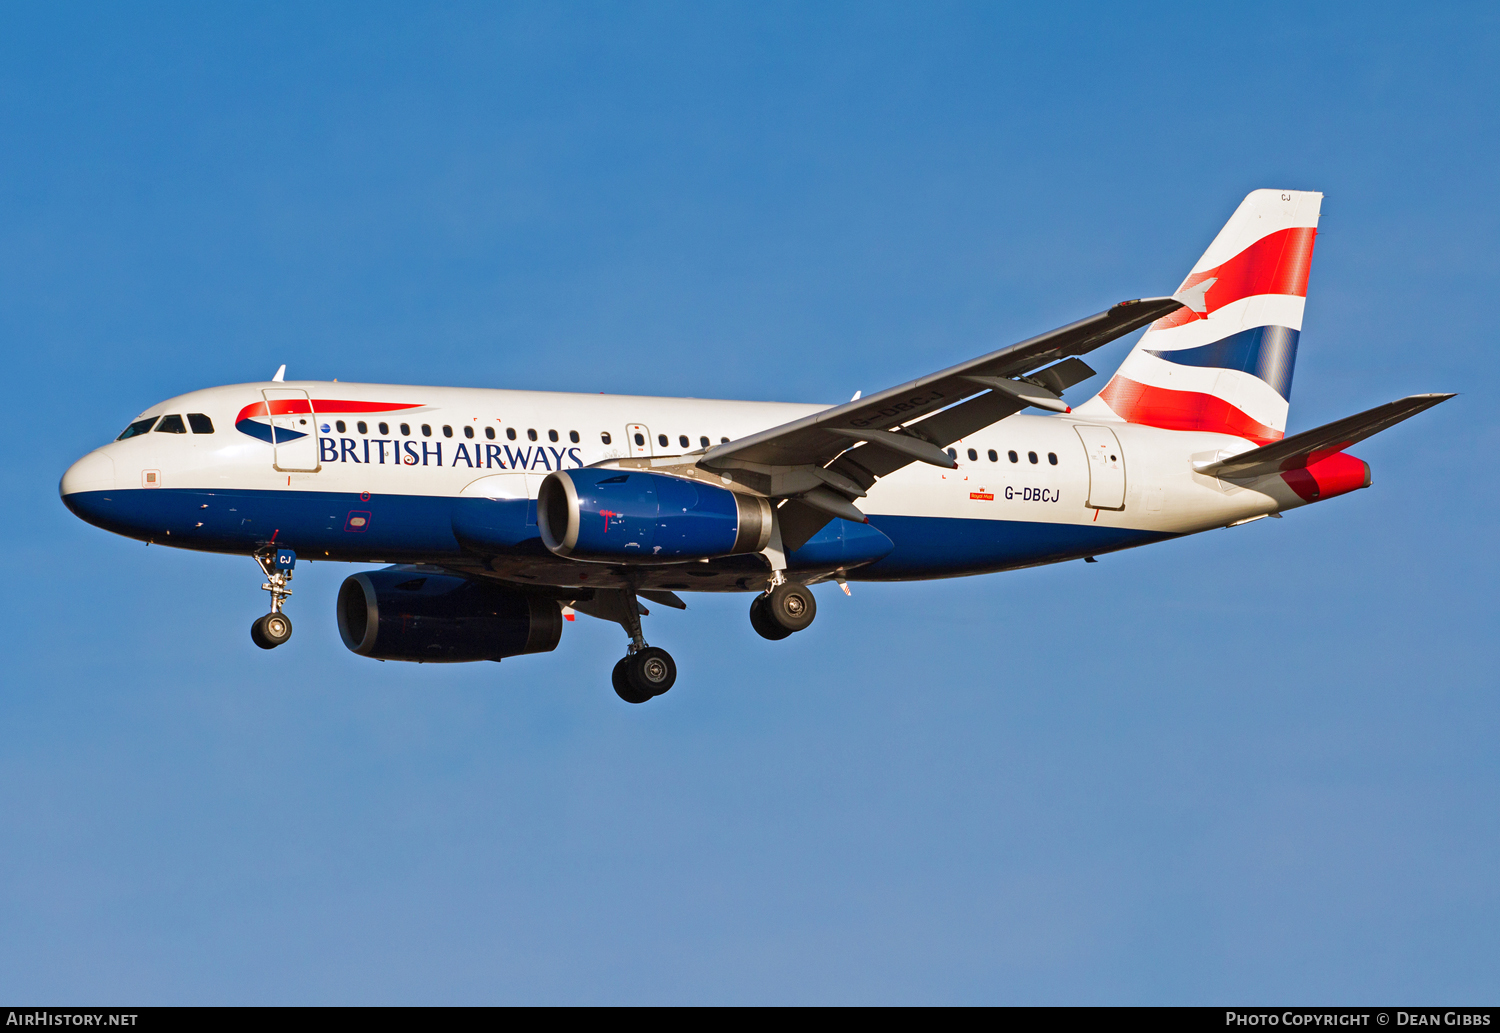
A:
x,y
1224,361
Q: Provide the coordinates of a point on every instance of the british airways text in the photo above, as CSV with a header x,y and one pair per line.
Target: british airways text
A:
x,y
475,456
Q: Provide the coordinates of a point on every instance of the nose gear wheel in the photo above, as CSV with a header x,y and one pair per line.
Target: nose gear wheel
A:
x,y
271,630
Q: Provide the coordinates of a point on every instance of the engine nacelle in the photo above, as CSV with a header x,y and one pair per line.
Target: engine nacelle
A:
x,y
642,517
440,618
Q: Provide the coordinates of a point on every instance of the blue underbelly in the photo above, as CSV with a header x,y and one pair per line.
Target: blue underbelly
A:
x,y
344,525
418,528
952,546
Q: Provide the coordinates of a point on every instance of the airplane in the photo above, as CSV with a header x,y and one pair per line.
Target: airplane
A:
x,y
496,515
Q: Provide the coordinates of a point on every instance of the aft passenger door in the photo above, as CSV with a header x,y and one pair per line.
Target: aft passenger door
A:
x,y
639,438
294,430
1106,467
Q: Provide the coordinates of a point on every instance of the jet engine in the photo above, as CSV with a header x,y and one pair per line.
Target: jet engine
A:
x,y
636,516
440,618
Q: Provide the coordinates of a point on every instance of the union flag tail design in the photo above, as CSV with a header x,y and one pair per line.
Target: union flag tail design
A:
x,y
1224,361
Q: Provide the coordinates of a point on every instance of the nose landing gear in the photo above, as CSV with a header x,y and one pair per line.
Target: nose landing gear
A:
x,y
275,627
786,609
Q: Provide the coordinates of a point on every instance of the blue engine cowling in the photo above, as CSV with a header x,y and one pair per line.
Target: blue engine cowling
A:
x,y
642,517
440,618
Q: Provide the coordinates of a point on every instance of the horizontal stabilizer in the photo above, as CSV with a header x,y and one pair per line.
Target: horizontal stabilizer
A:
x,y
1312,446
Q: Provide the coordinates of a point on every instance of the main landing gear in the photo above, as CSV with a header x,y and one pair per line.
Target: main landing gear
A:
x,y
275,627
645,672
786,608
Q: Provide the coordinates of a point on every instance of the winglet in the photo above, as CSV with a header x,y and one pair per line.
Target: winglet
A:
x,y
280,374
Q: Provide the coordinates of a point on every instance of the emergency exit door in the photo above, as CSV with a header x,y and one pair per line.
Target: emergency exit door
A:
x,y
294,430
1106,467
638,439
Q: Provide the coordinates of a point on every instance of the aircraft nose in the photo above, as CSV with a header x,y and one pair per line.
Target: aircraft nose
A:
x,y
94,472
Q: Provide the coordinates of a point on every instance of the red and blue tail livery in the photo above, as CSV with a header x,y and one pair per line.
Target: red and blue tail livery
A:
x,y
494,516
1224,360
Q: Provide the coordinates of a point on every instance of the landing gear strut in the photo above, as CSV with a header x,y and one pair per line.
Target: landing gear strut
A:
x,y
645,671
785,609
275,627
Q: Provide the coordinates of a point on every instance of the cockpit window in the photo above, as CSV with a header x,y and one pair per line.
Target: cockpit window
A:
x,y
171,425
138,427
200,423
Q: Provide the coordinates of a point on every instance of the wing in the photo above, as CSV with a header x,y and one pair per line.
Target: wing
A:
x,y
824,461
1307,448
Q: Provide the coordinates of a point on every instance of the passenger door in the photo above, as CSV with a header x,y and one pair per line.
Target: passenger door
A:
x,y
639,439
294,430
1106,467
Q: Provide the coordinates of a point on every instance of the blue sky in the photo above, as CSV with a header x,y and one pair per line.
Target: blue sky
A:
x,y
1257,765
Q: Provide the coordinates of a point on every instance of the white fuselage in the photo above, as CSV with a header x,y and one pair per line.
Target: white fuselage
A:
x,y
437,442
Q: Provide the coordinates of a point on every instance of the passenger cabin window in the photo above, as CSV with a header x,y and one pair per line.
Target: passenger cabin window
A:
x,y
468,431
723,441
662,440
339,426
604,436
138,427
640,439
1011,455
171,425
200,423
994,456
530,434
448,431
427,430
682,440
385,428
973,456
1031,456
552,435
489,432
510,433
1052,458
703,441
406,430
362,427
953,453
573,436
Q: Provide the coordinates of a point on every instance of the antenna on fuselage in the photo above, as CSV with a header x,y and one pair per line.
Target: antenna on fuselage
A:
x,y
280,374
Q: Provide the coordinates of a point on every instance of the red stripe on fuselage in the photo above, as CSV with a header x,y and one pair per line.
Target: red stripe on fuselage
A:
x,y
1182,410
1278,263
292,406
